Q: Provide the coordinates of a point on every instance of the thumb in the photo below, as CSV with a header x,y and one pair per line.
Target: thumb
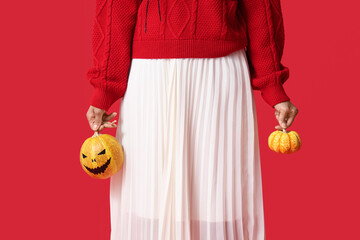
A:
x,y
98,120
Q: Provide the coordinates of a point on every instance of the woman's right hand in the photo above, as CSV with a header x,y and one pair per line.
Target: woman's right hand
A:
x,y
99,119
285,114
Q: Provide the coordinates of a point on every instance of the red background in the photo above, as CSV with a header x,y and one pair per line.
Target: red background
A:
x,y
45,52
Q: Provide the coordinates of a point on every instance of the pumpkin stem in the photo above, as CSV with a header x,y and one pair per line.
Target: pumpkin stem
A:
x,y
96,133
284,130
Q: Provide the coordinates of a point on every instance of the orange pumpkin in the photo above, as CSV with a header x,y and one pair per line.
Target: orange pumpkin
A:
x,y
101,156
284,142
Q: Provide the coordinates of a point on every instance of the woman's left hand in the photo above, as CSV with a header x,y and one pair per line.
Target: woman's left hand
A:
x,y
285,114
99,119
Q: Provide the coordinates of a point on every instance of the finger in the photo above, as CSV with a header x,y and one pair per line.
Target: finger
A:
x,y
278,127
282,116
277,115
101,127
108,117
97,120
296,111
113,123
291,116
290,120
106,125
91,120
109,125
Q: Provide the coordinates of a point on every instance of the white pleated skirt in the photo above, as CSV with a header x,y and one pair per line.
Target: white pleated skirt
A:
x,y
191,166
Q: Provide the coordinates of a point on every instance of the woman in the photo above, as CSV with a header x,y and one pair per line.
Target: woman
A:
x,y
185,71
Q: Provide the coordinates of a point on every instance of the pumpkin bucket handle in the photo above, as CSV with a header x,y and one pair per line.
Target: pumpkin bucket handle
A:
x,y
96,133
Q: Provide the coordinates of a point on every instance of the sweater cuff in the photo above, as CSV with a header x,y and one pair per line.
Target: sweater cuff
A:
x,y
102,99
274,94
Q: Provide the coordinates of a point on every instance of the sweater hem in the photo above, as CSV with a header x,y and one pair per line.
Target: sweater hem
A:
x,y
186,48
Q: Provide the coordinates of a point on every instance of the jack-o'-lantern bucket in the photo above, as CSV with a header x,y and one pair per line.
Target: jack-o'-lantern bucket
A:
x,y
101,156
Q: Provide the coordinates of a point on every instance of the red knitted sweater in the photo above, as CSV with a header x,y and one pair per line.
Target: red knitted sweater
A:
x,y
126,29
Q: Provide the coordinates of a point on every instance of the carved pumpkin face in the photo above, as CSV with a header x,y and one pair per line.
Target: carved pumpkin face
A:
x,y
101,156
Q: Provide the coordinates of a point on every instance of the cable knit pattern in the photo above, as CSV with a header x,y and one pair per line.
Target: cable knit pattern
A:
x,y
266,42
186,29
178,17
112,35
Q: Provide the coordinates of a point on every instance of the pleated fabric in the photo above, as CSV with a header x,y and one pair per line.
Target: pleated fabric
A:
x,y
191,166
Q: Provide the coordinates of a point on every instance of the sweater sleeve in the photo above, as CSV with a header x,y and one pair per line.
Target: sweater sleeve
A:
x,y
265,31
113,30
